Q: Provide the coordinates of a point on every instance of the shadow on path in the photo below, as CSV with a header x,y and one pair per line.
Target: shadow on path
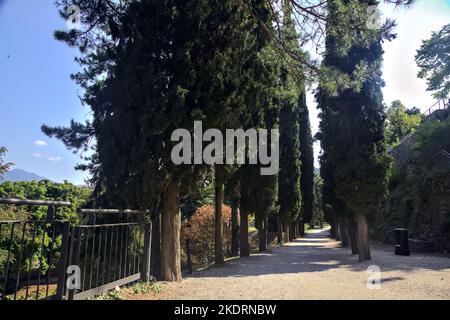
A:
x,y
316,252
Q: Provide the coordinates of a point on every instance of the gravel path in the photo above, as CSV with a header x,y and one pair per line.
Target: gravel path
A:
x,y
316,267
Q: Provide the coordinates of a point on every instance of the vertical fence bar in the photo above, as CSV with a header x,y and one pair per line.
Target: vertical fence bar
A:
x,y
19,262
63,261
104,256
92,259
8,258
31,261
99,256
115,253
146,257
40,263
85,265
75,254
50,259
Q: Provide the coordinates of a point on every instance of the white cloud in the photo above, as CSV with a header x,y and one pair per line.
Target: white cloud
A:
x,y
37,155
55,159
40,143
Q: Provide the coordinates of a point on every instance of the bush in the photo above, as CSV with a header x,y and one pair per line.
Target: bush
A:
x,y
200,230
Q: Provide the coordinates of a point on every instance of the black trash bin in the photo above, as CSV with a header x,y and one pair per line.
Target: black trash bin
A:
x,y
401,242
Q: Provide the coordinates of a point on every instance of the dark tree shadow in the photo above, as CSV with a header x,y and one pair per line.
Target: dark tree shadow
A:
x,y
316,252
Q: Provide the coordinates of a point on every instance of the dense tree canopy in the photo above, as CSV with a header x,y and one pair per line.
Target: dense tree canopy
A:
x,y
4,166
306,159
400,122
434,62
355,118
151,67
289,176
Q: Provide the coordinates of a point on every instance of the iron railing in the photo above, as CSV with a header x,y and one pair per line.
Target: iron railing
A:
x,y
32,255
400,151
36,256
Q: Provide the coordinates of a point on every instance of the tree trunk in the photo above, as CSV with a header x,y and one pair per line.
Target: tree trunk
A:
x,y
343,232
363,237
292,231
243,228
337,230
301,227
170,229
218,239
262,234
286,229
155,263
234,228
279,231
333,228
352,234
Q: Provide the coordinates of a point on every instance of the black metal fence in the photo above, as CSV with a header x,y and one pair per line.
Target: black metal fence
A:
x,y
39,259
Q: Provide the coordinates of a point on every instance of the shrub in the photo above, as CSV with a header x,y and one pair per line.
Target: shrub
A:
x,y
200,230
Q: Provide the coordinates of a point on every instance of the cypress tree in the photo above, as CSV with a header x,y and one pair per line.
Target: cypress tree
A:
x,y
289,176
307,162
167,63
352,127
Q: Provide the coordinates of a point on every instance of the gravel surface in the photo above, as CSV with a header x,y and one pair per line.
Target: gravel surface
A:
x,y
315,267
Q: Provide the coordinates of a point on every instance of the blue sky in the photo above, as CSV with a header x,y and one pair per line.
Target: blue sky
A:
x,y
35,86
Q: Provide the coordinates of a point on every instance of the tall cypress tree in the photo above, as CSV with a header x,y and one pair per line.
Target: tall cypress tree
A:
x,y
160,66
289,176
352,122
307,161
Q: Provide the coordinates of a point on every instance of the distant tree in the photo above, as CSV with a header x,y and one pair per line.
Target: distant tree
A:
x,y
200,230
413,111
317,215
400,121
4,166
232,194
434,63
307,161
48,190
289,176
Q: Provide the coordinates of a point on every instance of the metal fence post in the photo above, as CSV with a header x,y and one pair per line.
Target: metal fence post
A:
x,y
51,213
145,272
74,255
63,261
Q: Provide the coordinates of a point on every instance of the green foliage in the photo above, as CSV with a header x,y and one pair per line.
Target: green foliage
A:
x,y
32,255
418,191
318,214
110,295
289,175
47,190
400,122
146,287
4,166
307,161
354,160
154,67
433,134
202,195
434,63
